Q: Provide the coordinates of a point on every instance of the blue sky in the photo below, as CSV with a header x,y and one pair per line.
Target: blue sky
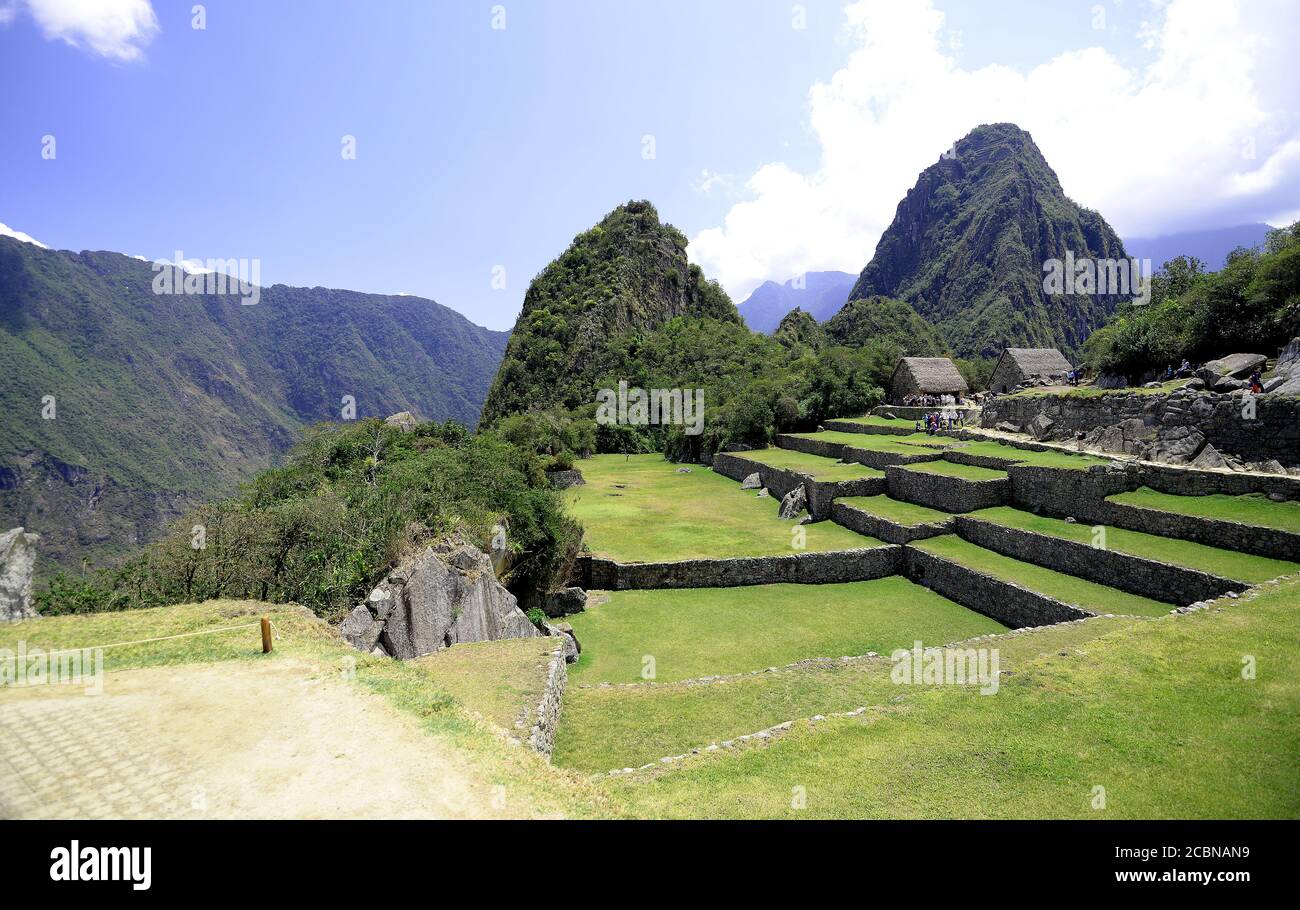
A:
x,y
777,148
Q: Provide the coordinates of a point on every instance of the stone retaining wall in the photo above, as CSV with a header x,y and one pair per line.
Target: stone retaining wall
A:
x,y
780,481
1144,577
856,519
547,715
1273,433
881,460
1082,495
598,573
820,447
957,456
1008,603
949,494
848,426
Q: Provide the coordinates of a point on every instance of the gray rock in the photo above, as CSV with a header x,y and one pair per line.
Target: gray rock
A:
x,y
1111,381
572,647
794,502
564,602
403,420
1176,445
1236,364
1007,426
17,565
1209,458
446,594
752,482
1290,386
1041,426
562,480
1288,361
683,470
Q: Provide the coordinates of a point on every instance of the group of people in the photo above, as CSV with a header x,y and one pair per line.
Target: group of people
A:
x,y
929,401
941,420
1184,371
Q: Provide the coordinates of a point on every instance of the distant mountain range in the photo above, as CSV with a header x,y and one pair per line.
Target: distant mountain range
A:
x,y
1210,246
819,294
120,408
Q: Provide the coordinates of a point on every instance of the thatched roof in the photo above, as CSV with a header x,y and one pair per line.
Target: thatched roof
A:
x,y
1038,361
931,374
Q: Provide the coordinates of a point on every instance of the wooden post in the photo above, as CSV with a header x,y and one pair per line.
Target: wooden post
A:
x,y
266,635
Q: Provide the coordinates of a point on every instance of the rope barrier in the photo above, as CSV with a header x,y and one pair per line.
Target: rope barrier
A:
x,y
144,641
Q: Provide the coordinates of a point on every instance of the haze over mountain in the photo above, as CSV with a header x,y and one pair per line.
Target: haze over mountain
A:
x,y
1211,246
121,407
820,295
968,242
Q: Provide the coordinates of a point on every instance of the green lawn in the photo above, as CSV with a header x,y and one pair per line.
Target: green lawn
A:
x,y
871,421
501,680
1226,563
619,727
1156,713
1250,509
915,444
952,469
895,510
1084,594
639,509
815,466
709,631
1050,459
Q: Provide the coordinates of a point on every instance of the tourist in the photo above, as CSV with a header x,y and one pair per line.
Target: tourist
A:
x,y
1256,382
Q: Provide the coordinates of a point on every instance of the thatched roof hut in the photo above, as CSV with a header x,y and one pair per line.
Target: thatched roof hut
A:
x,y
925,376
1017,365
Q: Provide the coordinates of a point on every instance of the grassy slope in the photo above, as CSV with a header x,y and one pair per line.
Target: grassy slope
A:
x,y
1251,509
813,465
619,727
660,515
895,510
1157,713
1227,563
501,680
872,421
709,631
1084,594
962,471
408,686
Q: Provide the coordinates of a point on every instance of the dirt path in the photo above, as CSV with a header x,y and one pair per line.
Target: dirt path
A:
x,y
234,740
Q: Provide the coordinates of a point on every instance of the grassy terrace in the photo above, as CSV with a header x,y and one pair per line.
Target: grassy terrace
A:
x,y
914,444
952,469
1051,459
1251,509
501,680
1120,710
871,421
639,509
1066,588
1226,563
1091,391
895,510
711,631
815,466
605,728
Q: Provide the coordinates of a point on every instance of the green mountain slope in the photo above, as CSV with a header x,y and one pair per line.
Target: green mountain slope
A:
x,y
161,401
878,319
628,273
967,246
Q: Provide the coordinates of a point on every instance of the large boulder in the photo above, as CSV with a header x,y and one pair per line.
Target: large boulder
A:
x,y
402,420
1176,445
564,602
1288,361
752,482
1236,364
563,480
1209,458
17,564
794,503
1111,381
439,597
1041,426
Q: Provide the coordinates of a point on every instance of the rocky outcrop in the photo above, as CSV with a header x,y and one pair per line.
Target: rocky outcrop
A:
x,y
17,564
445,594
564,602
1246,431
752,482
402,420
563,480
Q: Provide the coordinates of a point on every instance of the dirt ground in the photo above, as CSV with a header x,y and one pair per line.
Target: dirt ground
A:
x,y
233,740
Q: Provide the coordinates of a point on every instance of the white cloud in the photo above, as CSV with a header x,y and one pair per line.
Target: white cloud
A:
x,y
117,29
8,11
7,231
710,180
1158,147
